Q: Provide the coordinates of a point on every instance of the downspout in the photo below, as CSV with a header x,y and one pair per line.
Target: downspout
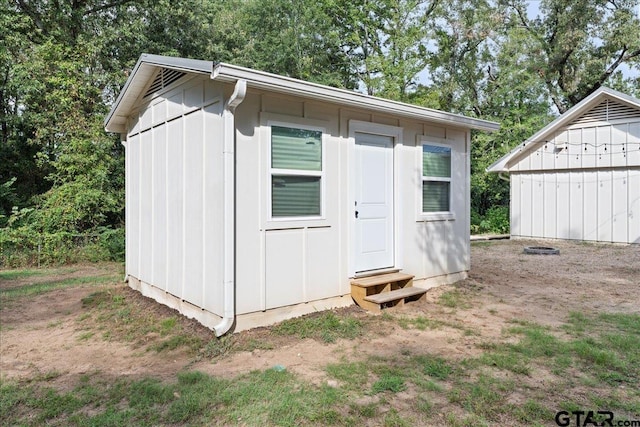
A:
x,y
229,212
502,177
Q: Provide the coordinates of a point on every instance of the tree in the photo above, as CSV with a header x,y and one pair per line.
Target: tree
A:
x,y
579,44
385,42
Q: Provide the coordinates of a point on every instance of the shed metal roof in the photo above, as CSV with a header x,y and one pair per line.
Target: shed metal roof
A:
x,y
532,143
115,121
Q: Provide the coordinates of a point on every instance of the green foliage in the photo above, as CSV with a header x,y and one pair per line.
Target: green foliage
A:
x,y
325,326
388,382
62,65
495,220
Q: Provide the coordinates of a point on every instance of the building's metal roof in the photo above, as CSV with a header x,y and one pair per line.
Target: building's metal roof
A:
x,y
532,143
148,64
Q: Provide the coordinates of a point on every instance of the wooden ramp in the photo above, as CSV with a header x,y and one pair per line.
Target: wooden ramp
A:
x,y
374,293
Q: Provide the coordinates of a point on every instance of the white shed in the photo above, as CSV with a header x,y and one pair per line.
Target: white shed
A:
x,y
579,177
252,197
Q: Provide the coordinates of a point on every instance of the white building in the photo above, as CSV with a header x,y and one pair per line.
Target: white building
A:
x,y
253,197
579,177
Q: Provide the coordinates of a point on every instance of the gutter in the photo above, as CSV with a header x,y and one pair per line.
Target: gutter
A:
x,y
229,211
502,177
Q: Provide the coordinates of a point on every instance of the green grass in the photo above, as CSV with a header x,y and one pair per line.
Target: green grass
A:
x,y
23,274
389,382
454,299
40,288
597,354
473,391
326,327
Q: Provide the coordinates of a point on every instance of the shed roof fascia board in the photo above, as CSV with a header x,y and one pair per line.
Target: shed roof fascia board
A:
x,y
272,82
502,164
115,122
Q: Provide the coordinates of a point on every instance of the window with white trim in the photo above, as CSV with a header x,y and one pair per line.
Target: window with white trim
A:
x,y
436,178
296,172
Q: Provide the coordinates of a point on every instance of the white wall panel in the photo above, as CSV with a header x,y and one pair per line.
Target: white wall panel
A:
x,y
526,198
174,104
633,145
284,253
193,209
560,150
574,149
634,206
620,213
605,201
576,192
159,208
537,204
618,145
550,205
159,112
515,205
322,274
194,96
175,203
563,210
213,209
588,148
146,118
536,159
603,149
435,249
133,206
146,213
590,205
249,178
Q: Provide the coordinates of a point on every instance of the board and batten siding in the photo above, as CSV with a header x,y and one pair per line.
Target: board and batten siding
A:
x,y
286,262
581,184
174,193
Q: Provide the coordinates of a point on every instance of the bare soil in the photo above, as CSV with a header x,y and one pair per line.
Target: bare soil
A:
x,y
53,335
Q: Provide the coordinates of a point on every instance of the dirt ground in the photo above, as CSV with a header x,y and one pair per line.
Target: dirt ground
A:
x,y
47,333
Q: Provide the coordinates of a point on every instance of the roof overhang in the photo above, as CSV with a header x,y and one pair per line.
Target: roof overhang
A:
x,y
144,69
287,85
148,64
503,164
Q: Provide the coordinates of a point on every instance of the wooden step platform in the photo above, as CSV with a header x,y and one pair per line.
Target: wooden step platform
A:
x,y
374,293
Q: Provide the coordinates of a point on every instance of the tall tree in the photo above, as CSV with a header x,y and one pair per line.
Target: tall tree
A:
x,y
579,44
385,41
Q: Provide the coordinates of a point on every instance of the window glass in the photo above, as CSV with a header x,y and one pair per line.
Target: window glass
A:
x,y
436,161
436,178
293,195
296,149
435,196
296,172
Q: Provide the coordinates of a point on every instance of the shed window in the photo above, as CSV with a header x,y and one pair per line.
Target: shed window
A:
x,y
436,178
296,172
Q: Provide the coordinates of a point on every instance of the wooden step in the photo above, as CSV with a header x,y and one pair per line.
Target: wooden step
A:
x,y
384,290
381,279
398,294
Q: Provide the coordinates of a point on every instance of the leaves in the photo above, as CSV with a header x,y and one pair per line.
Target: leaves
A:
x,y
62,65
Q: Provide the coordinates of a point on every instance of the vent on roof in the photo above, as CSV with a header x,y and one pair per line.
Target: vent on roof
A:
x,y
164,78
607,111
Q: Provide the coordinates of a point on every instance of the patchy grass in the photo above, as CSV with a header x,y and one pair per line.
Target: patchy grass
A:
x,y
454,298
325,326
40,288
590,362
603,353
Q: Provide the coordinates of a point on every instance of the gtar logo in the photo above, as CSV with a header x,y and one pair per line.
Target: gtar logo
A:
x,y
584,418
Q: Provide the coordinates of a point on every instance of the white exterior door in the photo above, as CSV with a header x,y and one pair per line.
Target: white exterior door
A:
x,y
373,207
